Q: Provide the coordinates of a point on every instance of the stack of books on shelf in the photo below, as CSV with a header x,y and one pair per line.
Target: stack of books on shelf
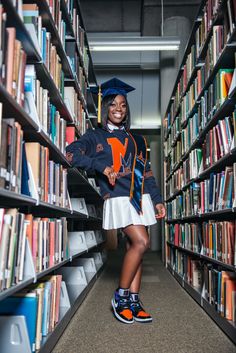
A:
x,y
199,130
44,78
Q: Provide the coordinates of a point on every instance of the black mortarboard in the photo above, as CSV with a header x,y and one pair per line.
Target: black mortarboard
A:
x,y
113,86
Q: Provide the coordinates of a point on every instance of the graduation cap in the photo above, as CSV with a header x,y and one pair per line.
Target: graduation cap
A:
x,y
113,86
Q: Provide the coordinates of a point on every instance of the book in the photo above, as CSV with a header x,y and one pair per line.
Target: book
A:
x,y
11,36
12,251
226,76
30,107
5,238
3,154
33,158
46,308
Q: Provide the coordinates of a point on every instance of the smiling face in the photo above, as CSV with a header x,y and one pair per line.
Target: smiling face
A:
x,y
117,110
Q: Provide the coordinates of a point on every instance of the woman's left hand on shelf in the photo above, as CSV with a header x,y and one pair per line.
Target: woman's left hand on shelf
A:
x,y
161,211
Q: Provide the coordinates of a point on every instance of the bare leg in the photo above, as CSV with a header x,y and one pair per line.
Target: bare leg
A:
x,y
136,283
131,268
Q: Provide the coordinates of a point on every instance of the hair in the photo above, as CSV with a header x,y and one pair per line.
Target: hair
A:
x,y
106,102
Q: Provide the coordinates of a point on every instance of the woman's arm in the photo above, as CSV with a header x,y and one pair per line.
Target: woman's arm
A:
x,y
81,153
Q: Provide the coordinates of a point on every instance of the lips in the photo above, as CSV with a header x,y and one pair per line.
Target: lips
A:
x,y
117,115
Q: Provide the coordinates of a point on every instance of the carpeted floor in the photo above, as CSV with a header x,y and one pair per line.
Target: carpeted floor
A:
x,y
179,324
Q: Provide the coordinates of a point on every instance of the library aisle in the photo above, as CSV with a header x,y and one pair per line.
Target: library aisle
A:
x,y
179,324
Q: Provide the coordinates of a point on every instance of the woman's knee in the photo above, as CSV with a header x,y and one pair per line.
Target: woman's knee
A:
x,y
138,238
142,244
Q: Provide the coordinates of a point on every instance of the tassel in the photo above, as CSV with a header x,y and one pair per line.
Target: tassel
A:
x,y
99,104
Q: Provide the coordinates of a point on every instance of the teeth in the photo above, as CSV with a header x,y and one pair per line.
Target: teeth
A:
x,y
117,115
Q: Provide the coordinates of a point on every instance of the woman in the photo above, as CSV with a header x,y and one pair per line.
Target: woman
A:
x,y
128,188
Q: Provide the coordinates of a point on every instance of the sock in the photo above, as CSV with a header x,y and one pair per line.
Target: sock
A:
x,y
123,292
134,297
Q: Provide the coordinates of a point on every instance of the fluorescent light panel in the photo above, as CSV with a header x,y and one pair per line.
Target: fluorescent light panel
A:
x,y
133,43
133,48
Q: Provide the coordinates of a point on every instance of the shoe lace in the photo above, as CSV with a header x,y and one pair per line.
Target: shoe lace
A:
x,y
137,304
124,302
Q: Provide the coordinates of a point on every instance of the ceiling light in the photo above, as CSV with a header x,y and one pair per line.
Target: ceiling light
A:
x,y
104,43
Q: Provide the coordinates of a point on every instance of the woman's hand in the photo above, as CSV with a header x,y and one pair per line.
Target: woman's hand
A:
x,y
69,156
161,211
109,172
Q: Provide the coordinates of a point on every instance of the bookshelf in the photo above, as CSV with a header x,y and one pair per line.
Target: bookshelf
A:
x,y
199,134
50,252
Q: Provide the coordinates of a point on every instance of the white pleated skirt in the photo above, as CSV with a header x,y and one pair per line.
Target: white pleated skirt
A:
x,y
118,212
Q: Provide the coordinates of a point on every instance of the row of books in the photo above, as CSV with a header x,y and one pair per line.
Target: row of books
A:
x,y
220,88
43,305
215,48
12,247
13,60
22,83
12,158
225,134
26,168
49,179
43,40
30,245
220,291
216,45
219,142
209,15
209,102
55,9
73,55
80,35
215,286
220,35
37,104
45,239
190,170
39,304
214,239
213,194
69,6
76,109
33,21
14,73
48,241
173,135
49,52
45,115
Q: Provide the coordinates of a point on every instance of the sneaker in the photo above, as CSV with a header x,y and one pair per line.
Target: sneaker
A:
x,y
121,308
139,313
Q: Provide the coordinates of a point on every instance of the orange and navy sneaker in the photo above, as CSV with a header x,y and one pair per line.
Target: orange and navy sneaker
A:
x,y
138,311
121,308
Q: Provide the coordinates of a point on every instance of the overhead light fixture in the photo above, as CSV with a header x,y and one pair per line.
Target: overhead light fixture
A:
x,y
132,43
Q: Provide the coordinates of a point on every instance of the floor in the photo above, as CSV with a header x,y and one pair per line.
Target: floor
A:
x,y
179,323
